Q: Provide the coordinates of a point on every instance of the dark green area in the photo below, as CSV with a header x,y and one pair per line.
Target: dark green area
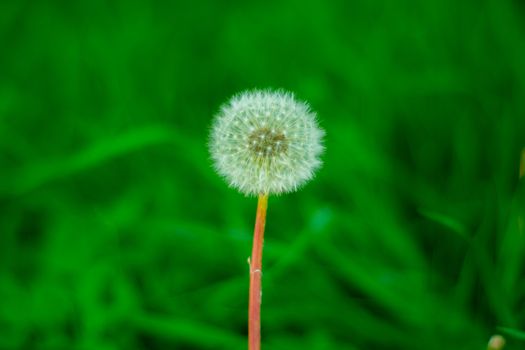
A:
x,y
116,233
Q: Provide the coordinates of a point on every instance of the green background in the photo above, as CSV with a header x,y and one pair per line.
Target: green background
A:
x,y
116,233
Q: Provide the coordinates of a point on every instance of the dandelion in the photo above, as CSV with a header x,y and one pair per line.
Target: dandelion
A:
x,y
496,342
262,143
266,142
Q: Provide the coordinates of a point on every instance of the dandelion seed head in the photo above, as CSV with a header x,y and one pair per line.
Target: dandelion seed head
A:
x,y
267,142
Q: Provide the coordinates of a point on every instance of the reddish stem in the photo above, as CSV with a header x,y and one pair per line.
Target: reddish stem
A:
x,y
254,308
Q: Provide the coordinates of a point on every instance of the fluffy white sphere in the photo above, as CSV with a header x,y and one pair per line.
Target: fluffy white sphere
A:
x,y
266,142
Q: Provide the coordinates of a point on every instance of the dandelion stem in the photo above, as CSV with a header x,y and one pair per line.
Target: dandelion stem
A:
x,y
254,308
522,164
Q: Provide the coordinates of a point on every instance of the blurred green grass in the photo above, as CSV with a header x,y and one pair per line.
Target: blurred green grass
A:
x,y
115,233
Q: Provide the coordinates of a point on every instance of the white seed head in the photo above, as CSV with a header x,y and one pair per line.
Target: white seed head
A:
x,y
266,142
